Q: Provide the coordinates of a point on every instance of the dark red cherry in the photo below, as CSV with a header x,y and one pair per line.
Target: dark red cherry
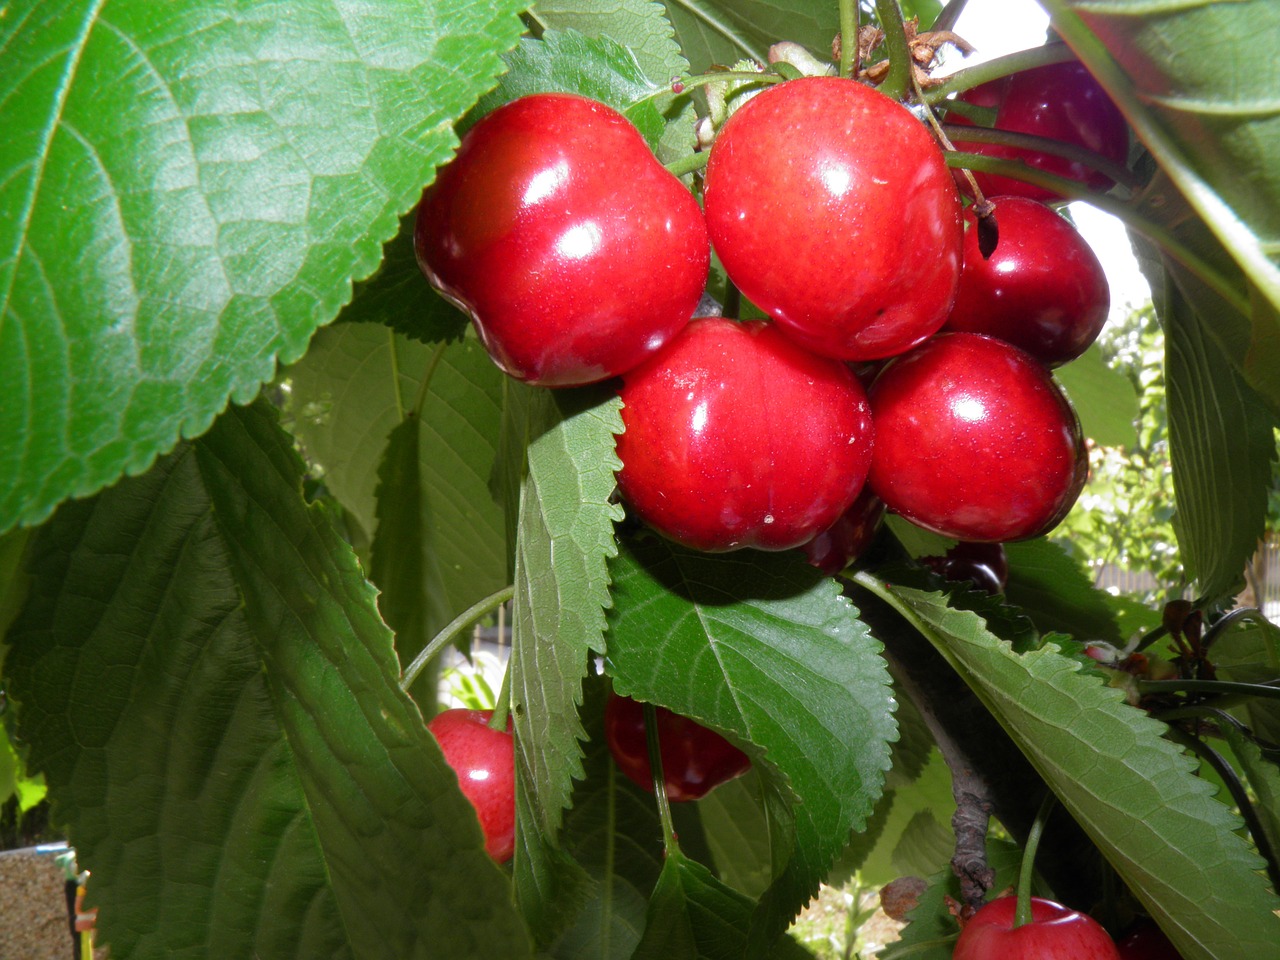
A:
x,y
832,210
575,252
1042,289
695,759
975,440
1060,101
845,540
1054,933
736,437
1146,941
982,564
484,760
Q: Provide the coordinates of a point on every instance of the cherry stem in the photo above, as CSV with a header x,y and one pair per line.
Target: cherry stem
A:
x,y
1072,190
975,76
1221,687
703,79
848,37
669,844
1022,915
983,207
690,164
1030,142
898,80
451,630
946,20
1222,623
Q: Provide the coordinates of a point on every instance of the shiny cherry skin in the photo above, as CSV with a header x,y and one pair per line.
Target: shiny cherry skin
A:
x,y
1146,941
1060,101
1054,933
484,760
695,760
576,254
831,208
975,440
845,540
1042,289
982,564
736,437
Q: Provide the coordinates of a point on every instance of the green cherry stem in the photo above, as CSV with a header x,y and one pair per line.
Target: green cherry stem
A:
x,y
685,84
1221,687
898,80
1122,211
451,630
690,164
1022,915
1026,141
975,76
848,37
669,843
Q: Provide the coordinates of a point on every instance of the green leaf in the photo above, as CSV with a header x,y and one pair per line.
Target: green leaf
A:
x,y
203,677
737,827
895,851
724,31
640,25
569,62
1205,118
558,621
1221,444
1263,778
440,541
1058,594
693,915
1248,651
188,193
1104,398
763,648
1132,791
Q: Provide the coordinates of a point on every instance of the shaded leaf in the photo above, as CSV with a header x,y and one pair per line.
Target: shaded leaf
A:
x,y
1058,594
1130,790
188,193
929,793
1248,651
762,648
723,32
183,627
737,826
1263,778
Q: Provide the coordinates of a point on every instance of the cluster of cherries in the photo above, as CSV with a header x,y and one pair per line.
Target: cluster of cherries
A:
x,y
905,364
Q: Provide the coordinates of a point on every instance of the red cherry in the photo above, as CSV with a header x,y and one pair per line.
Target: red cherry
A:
x,y
982,564
1054,933
575,253
484,760
736,437
1042,289
832,209
1060,101
1146,941
844,541
975,440
695,760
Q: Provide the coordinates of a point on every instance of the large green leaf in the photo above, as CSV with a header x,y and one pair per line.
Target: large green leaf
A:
x,y
203,677
1133,792
1221,444
763,648
1103,397
187,191
561,590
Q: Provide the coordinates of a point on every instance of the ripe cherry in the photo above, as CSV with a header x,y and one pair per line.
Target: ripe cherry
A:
x,y
736,437
975,440
484,760
575,252
982,564
1146,941
1054,933
845,540
832,210
1060,101
1042,289
695,760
